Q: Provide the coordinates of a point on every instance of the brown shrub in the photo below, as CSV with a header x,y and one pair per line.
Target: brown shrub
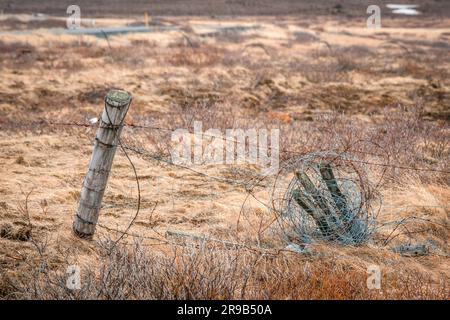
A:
x,y
205,272
197,57
17,24
8,231
19,54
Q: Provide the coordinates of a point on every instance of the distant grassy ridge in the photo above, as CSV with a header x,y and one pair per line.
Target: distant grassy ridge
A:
x,y
101,8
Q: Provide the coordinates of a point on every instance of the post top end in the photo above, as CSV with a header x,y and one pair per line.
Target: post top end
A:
x,y
118,98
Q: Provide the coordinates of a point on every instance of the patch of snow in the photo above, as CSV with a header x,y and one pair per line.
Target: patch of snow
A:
x,y
406,9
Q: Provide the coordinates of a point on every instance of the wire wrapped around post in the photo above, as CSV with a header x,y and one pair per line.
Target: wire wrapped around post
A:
x,y
328,198
107,138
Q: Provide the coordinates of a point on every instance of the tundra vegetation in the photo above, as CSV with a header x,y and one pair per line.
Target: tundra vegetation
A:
x,y
326,82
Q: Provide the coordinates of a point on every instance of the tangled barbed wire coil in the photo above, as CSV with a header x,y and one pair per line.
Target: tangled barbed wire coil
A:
x,y
328,196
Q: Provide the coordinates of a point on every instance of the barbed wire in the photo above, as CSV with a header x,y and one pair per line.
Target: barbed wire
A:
x,y
248,184
119,141
284,150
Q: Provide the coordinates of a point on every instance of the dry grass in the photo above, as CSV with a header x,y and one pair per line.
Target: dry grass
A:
x,y
8,231
13,23
22,54
205,272
196,57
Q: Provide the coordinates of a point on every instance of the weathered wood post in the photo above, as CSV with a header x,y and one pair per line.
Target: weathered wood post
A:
x,y
146,20
105,145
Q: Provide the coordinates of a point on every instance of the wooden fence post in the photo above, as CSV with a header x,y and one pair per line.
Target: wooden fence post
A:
x,y
146,20
106,140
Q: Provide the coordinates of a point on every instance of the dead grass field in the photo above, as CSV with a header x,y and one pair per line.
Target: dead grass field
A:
x,y
325,83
